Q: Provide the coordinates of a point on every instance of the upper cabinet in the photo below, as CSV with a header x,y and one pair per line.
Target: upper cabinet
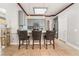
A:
x,y
22,20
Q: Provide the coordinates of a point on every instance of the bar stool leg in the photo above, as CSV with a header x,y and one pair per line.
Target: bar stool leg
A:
x,y
22,42
26,44
33,45
44,41
50,42
40,43
53,44
19,45
46,44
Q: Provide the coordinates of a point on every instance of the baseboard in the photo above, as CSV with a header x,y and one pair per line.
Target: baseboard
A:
x,y
14,43
62,40
72,45
24,43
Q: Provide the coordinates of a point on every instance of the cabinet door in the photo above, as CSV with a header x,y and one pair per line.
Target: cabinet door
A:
x,y
21,18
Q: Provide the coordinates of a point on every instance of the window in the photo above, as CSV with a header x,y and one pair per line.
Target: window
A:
x,y
40,10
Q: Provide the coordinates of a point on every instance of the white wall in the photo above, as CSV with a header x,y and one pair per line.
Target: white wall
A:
x,y
69,25
62,24
11,17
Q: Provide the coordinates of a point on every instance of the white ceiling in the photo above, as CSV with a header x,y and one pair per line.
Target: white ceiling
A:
x,y
53,8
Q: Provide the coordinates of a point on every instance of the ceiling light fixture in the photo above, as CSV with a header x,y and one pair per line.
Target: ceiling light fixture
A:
x,y
40,10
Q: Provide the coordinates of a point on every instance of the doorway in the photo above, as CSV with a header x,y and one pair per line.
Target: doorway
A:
x,y
56,26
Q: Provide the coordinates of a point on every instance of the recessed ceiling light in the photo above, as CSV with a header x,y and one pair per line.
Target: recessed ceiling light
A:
x,y
40,10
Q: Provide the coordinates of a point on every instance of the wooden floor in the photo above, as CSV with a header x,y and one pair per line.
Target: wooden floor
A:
x,y
61,50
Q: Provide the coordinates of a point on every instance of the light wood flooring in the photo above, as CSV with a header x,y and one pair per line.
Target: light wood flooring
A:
x,y
61,49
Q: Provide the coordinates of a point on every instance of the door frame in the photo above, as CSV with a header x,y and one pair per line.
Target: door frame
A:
x,y
56,24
